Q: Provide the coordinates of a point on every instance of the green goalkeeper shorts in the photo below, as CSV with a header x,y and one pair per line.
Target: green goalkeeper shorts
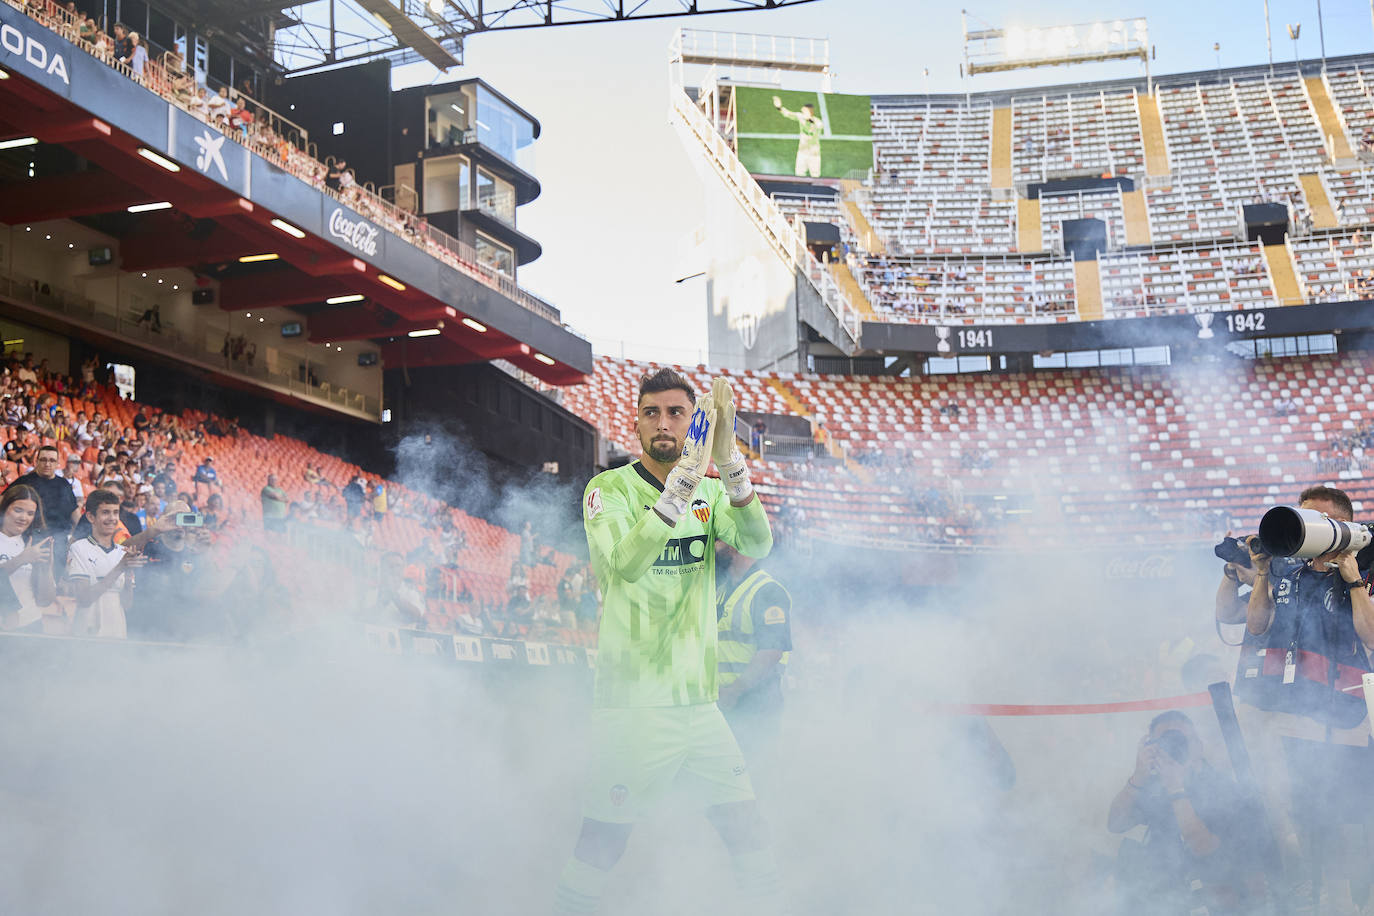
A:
x,y
640,753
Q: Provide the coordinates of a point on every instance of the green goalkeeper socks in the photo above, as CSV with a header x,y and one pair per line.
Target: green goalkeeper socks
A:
x,y
579,889
756,873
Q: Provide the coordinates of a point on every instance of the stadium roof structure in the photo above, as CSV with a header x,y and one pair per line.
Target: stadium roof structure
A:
x,y
303,37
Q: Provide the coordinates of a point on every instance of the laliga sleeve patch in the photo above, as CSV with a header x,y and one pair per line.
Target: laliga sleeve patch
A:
x,y
774,615
594,506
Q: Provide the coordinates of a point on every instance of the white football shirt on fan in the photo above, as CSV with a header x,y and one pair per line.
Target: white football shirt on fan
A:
x,y
21,580
88,562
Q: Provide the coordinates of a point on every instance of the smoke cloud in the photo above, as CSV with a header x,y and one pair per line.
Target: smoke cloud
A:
x,y
312,773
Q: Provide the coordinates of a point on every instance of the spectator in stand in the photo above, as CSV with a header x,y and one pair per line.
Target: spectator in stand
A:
x,y
87,30
395,601
199,104
99,572
218,106
138,55
275,506
526,547
240,118
205,477
377,493
123,48
26,561
215,516
756,434
354,495
73,477
56,500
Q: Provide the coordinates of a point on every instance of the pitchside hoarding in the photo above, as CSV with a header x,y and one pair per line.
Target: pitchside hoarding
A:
x,y
803,134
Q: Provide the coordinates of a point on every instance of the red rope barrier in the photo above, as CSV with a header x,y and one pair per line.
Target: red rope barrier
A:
x,y
1072,709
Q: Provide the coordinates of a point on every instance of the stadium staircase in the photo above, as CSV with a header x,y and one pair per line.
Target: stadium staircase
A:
x,y
1029,235
1152,137
1332,128
1283,274
782,236
832,446
850,287
1000,165
1087,289
1323,215
863,230
1137,216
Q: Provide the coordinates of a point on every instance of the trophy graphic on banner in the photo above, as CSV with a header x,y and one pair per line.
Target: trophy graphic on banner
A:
x,y
942,345
1204,325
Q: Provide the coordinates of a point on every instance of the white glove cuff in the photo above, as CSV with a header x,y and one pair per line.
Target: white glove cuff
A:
x,y
677,494
734,475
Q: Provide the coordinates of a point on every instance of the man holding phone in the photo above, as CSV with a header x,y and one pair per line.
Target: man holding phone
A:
x,y
100,572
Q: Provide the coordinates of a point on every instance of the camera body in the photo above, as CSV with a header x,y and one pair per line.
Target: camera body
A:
x,y
1234,550
1174,743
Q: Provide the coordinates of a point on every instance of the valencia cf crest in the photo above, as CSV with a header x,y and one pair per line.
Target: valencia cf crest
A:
x,y
702,510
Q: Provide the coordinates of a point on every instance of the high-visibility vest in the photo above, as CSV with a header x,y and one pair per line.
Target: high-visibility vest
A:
x,y
735,636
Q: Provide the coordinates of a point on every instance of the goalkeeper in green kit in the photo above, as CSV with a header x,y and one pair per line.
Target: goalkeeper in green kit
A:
x,y
652,527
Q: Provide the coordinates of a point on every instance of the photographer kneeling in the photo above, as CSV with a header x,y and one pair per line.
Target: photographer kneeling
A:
x,y
1200,846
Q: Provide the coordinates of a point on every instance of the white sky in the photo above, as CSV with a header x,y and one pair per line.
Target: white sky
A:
x,y
620,195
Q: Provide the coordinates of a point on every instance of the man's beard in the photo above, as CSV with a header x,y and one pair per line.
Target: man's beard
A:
x,y
664,451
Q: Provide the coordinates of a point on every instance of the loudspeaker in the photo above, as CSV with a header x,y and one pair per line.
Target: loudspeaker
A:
x,y
1084,238
1266,222
204,296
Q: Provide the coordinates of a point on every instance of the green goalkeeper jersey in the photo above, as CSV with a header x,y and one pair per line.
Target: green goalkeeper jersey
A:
x,y
657,645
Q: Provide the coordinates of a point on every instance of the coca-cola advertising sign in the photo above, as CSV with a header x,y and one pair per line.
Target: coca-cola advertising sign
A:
x,y
1152,566
358,234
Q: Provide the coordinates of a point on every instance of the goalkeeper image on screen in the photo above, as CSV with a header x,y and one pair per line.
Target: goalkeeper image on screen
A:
x,y
808,141
651,529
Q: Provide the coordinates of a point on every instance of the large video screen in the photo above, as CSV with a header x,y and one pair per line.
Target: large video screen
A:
x,y
803,134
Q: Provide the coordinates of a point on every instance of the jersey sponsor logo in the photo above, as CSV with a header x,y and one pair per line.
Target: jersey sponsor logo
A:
x,y
774,615
683,551
618,794
702,510
594,506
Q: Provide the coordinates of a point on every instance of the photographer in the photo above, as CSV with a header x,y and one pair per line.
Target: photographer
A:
x,y
1309,627
1200,846
1318,622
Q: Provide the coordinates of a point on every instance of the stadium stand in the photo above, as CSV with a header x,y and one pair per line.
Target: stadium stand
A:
x,y
943,196
469,584
1127,451
276,138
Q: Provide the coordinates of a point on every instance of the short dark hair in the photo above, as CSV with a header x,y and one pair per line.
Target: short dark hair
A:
x,y
45,448
1337,498
665,379
101,497
1170,715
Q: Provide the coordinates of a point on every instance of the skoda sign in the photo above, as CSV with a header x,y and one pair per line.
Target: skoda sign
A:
x,y
39,58
358,234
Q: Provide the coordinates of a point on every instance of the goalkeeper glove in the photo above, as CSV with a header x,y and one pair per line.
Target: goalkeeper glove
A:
x,y
733,472
686,475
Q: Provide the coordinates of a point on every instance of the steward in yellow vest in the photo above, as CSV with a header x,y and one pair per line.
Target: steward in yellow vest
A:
x,y
753,617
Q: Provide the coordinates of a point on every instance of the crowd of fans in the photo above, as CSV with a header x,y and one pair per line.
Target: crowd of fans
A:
x,y
148,494
914,292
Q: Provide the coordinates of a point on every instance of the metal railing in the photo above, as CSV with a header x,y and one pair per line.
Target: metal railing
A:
x,y
297,160
91,315
777,229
